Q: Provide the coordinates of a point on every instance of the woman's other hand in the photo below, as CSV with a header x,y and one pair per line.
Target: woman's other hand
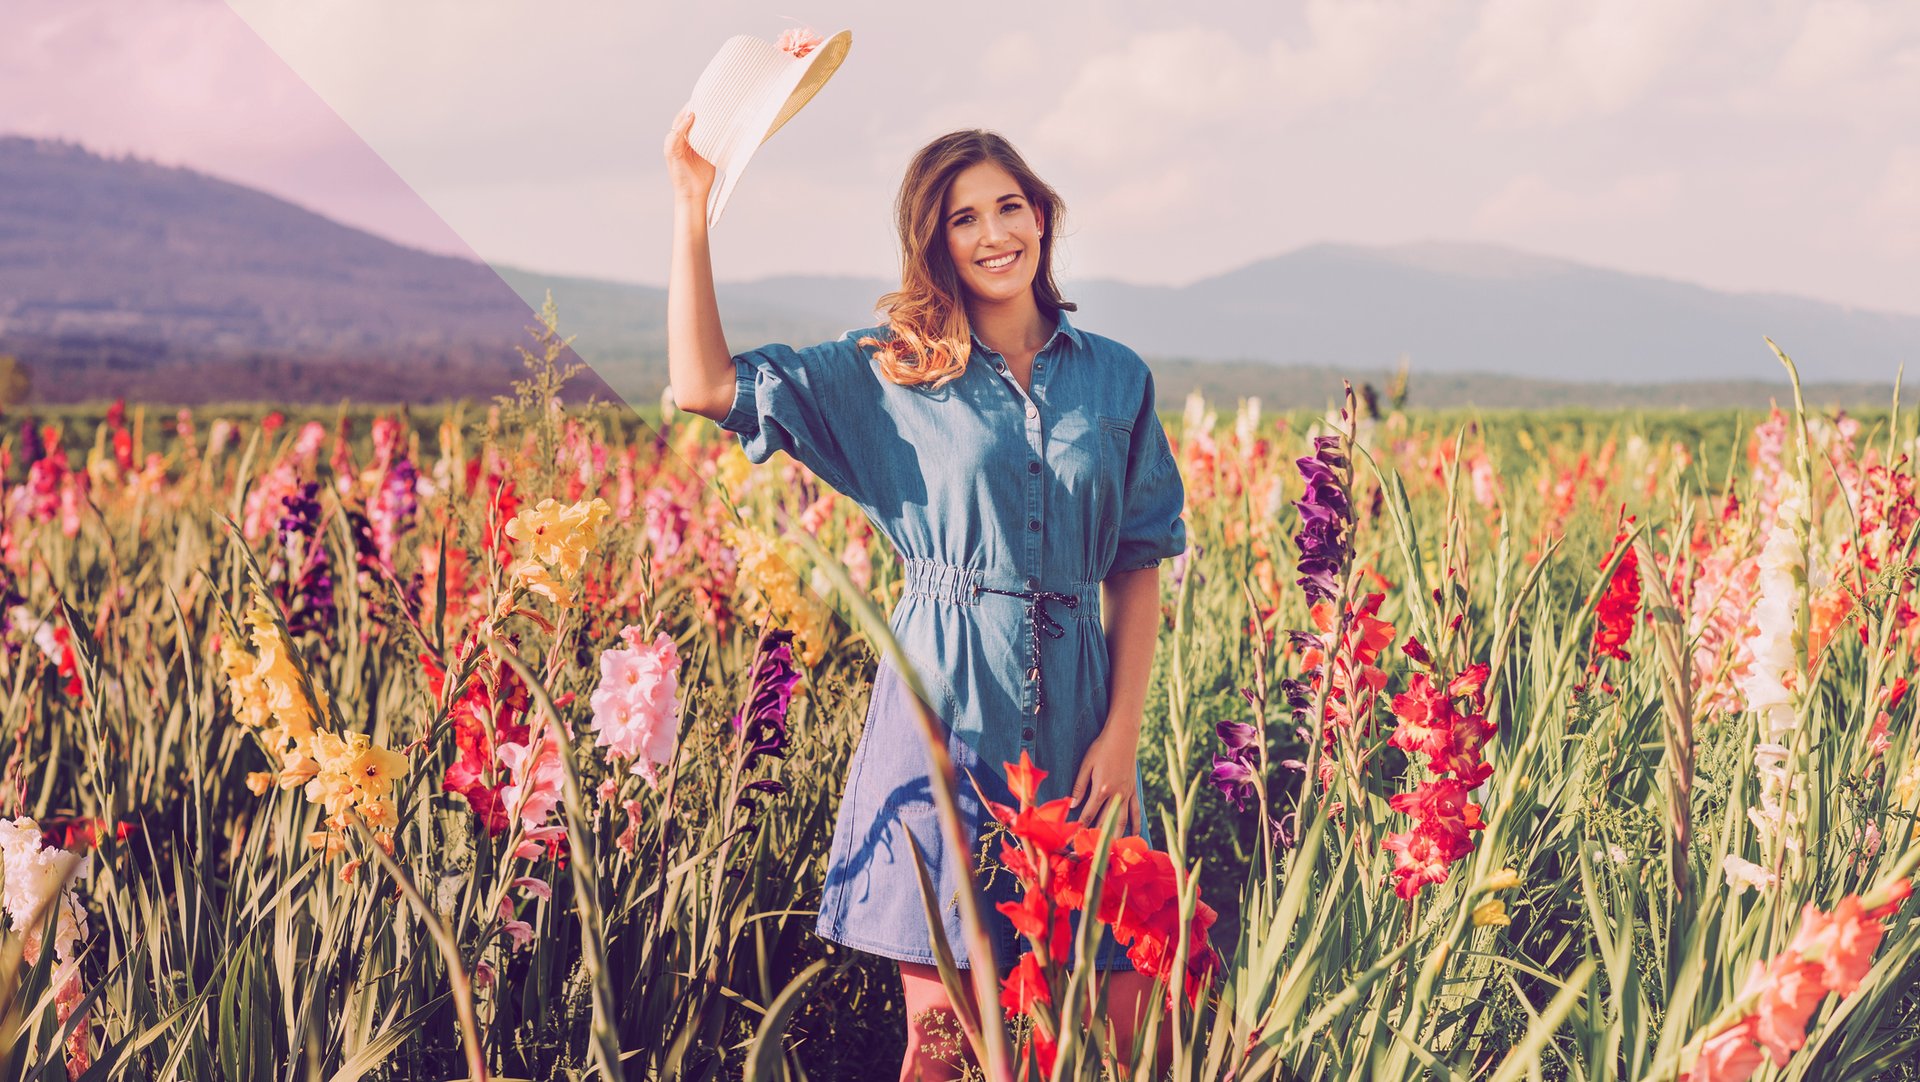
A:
x,y
1106,776
692,175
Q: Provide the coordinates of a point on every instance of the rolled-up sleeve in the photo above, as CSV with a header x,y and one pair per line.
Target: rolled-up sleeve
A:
x,y
785,399
1154,495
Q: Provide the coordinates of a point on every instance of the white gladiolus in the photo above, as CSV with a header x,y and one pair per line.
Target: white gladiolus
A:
x,y
1246,422
1775,643
31,877
1772,683
1742,874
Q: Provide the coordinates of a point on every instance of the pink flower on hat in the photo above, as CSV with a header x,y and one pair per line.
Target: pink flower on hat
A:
x,y
799,41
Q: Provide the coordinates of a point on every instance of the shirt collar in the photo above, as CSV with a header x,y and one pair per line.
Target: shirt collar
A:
x,y
1065,327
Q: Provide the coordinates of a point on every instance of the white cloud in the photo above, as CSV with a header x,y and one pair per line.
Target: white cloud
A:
x,y
1550,62
1192,84
1762,146
1166,85
1853,64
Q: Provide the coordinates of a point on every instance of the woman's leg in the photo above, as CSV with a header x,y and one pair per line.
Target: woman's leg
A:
x,y
936,1049
1130,998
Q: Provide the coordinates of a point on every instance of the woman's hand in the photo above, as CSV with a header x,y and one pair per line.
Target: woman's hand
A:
x,y
1107,776
692,175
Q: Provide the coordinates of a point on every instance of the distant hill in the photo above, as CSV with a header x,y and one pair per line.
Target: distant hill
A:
x,y
119,276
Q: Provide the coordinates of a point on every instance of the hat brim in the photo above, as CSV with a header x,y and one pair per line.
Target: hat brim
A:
x,y
749,114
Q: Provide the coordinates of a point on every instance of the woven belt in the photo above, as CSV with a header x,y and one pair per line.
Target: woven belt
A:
x,y
1038,620
961,585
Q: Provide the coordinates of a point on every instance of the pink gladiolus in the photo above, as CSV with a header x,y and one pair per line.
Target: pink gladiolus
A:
x,y
519,931
539,841
636,707
539,888
630,837
538,778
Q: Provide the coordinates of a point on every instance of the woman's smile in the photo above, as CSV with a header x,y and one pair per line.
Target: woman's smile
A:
x,y
991,226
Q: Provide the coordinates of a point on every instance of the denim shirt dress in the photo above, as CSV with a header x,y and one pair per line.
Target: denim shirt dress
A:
x,y
1007,509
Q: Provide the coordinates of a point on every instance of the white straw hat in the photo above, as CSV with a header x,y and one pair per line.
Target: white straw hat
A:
x,y
750,88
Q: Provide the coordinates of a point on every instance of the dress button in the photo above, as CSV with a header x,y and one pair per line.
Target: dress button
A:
x,y
1032,583
1033,524
1027,733
1033,410
1033,467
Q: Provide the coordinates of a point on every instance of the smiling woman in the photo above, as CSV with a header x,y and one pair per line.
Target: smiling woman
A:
x,y
1019,468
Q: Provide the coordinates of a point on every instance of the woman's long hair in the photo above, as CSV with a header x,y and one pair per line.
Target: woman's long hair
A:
x,y
931,336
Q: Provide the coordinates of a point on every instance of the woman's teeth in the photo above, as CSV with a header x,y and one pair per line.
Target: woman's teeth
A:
x,y
999,261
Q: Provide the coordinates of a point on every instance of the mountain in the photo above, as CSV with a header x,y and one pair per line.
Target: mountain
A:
x,y
1477,308
129,278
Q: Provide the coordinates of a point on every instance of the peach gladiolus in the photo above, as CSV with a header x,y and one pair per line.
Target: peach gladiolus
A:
x,y
1841,945
1789,990
1729,1056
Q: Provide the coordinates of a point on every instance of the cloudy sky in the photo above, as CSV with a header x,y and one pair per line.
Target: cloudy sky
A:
x,y
1741,144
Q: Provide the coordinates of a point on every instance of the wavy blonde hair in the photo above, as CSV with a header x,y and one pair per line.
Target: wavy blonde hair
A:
x,y
931,336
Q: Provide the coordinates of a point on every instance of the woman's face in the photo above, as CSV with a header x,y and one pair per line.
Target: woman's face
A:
x,y
993,234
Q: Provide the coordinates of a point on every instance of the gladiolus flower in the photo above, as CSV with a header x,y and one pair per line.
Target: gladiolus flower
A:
x,y
636,707
519,931
1025,987
762,722
1613,622
538,778
1732,1055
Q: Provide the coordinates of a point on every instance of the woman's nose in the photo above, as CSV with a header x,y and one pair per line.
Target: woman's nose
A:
x,y
995,231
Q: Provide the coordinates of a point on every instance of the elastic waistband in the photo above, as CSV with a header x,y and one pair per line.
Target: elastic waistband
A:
x,y
960,586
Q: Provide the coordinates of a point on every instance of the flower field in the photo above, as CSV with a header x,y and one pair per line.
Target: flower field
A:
x,y
506,742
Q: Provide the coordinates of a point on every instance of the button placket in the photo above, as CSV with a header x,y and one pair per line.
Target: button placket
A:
x,y
1036,441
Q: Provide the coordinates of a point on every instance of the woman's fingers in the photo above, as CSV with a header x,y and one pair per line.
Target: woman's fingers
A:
x,y
677,134
1097,802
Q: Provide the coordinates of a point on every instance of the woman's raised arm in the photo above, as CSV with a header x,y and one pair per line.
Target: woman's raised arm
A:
x,y
700,368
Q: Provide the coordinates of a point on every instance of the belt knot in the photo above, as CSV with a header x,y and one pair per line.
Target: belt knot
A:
x,y
1041,622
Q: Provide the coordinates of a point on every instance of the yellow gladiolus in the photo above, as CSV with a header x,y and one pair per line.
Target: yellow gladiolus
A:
x,y
1504,879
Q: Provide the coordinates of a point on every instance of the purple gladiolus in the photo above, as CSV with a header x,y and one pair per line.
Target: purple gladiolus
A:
x,y
1325,538
309,597
1234,772
763,721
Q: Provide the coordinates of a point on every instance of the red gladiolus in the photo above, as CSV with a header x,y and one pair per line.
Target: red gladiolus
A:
x,y
1613,622
1025,987
483,719
1444,819
1426,719
1023,779
1139,900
